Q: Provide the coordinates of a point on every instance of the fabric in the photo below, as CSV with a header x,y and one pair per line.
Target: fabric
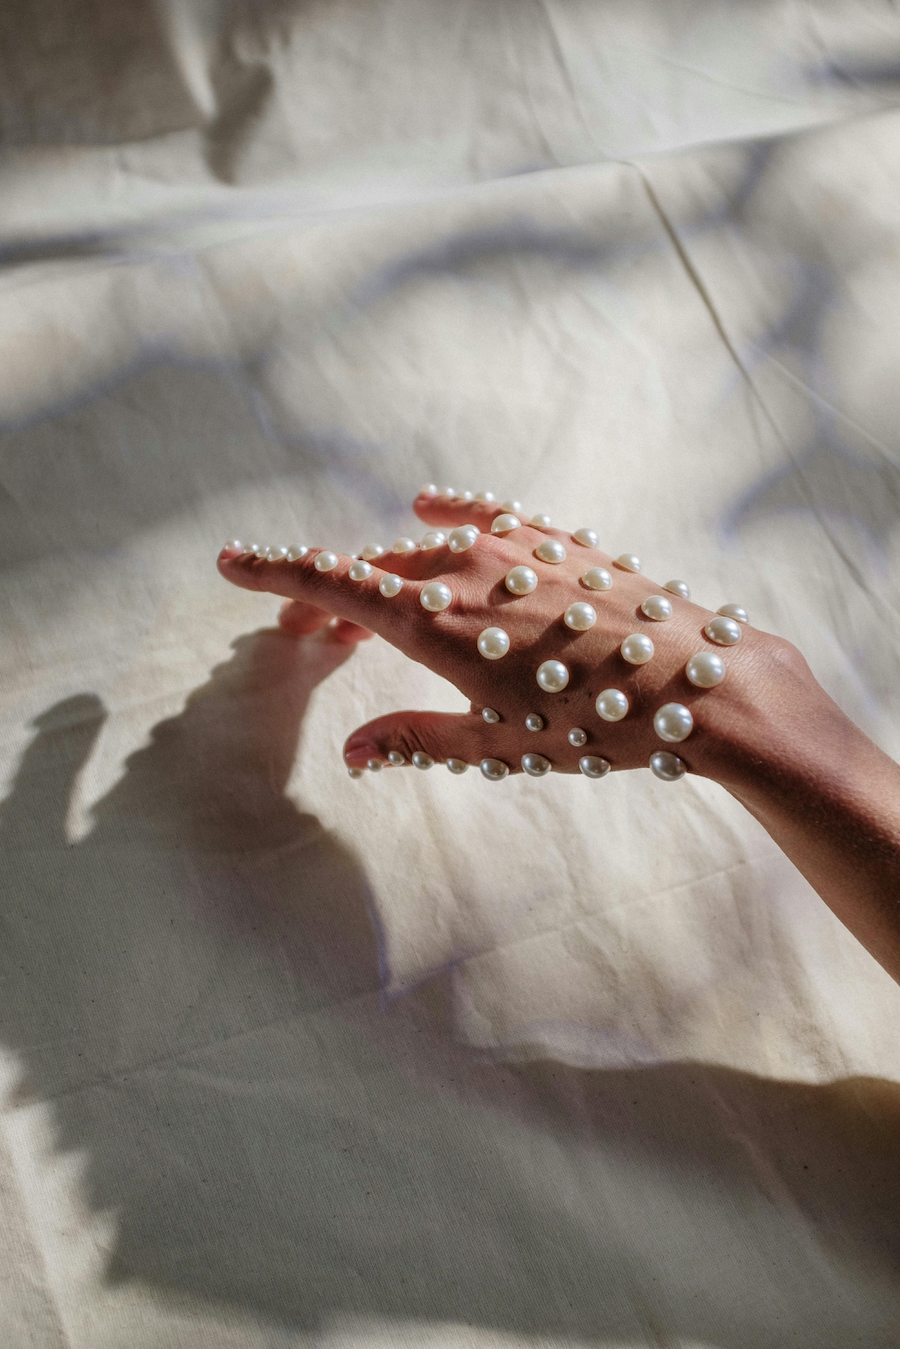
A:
x,y
293,1060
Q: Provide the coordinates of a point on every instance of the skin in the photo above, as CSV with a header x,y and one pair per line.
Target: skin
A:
x,y
769,734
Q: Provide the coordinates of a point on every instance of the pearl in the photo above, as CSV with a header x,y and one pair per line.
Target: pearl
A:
x,y
657,607
485,498
540,521
667,766
326,562
494,769
628,562
435,596
637,648
552,676
611,704
259,550
514,506
462,538
448,492
490,715
678,588
276,554
586,537
433,539
422,760
235,546
457,765
593,767
580,616
466,496
597,578
673,722
396,758
493,643
505,523
253,548
735,611
577,737
296,551
359,570
535,765
374,765
390,585
429,490
534,721
355,772
705,669
550,550
722,630
371,551
521,581
404,546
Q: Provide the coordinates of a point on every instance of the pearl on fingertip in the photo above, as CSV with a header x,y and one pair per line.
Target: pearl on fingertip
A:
x,y
296,551
534,722
466,536
355,772
276,554
673,722
577,737
359,570
723,631
592,766
535,765
637,648
735,611
390,585
520,580
494,769
435,596
429,490
550,550
457,765
611,704
485,498
254,548
552,676
326,562
514,506
490,715
467,496
374,765
504,524
260,550
493,643
433,539
404,545
540,521
422,760
235,546
667,766
371,551
628,562
597,578
678,588
586,537
580,616
657,607
448,492
396,758
705,669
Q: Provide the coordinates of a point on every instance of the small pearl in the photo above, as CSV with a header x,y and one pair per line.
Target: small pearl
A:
x,y
390,585
404,546
466,496
494,769
276,554
435,596
735,611
628,562
296,551
667,766
504,524
371,551
462,538
552,676
448,492
577,737
514,506
637,648
429,490
586,537
493,643
254,548
457,765
521,581
422,760
540,521
611,704
722,630
597,578
396,758
235,546
705,669
534,721
657,607
485,498
326,562
673,722
678,588
374,765
359,570
593,767
433,539
535,765
490,715
355,772
580,616
259,549
550,550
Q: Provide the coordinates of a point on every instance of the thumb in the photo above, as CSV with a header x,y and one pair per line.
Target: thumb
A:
x,y
421,739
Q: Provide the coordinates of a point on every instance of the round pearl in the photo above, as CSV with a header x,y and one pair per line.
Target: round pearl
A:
x,y
254,548
628,562
235,546
355,772
396,758
435,596
448,492
485,498
514,506
374,765
586,537
260,550
490,715
457,765
597,578
422,760
678,588
535,765
550,550
705,669
505,523
466,496
577,737
521,580
552,676
494,769
534,721
722,630
493,643
371,551
326,562
540,521
667,766
673,722
735,611
429,490
657,607
276,554
637,648
593,767
611,704
390,585
463,538
433,539
359,570
580,616
296,551
404,546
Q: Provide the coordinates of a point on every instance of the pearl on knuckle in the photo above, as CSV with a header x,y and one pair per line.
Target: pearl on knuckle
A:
x,y
463,538
276,554
535,765
592,766
552,676
359,570
723,631
735,611
371,551
705,669
580,616
637,648
629,562
551,551
577,737
404,545
657,607
485,498
493,643
505,524
457,765
667,766
520,580
586,537
429,490
422,760
490,716
597,578
494,769
540,521
677,587
435,596
296,551
673,722
534,722
433,539
611,704
326,561
390,585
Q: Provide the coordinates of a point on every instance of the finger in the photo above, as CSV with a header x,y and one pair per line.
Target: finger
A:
x,y
439,736
301,619
445,511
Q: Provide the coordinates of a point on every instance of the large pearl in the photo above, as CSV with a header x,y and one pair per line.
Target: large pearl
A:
x,y
276,554
463,538
433,539
435,596
577,737
637,648
552,676
493,643
722,630
504,524
673,722
586,537
541,521
494,769
326,562
485,498
597,578
550,550
705,669
678,588
404,545
667,766
422,760
611,704
371,551
514,506
521,580
296,551
580,616
628,562
457,765
396,758
735,611
490,715
657,607
390,585
359,570
535,765
534,721
592,766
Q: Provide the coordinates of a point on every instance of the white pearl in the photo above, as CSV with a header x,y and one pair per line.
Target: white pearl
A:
x,y
540,521
505,523
735,611
597,578
359,570
448,492
485,498
678,588
673,722
276,554
396,758
552,676
667,766
535,765
521,581
296,551
657,607
390,585
493,643
550,550
534,721
429,490
462,538
722,630
404,545
586,537
260,549
514,506
593,767
467,496
611,704
433,539
254,548
494,769
435,596
457,765
355,772
705,669
490,715
371,551
326,562
235,546
422,760
628,561
374,765
580,616
637,648
577,737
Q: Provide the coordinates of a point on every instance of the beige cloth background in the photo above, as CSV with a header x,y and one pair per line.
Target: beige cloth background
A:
x,y
290,1060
